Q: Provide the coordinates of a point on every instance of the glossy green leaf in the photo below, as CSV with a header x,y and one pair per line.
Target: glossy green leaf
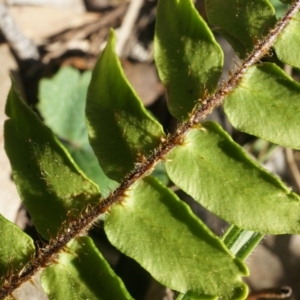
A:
x,y
82,273
188,59
120,128
16,249
62,105
161,233
49,183
267,104
241,22
290,36
216,171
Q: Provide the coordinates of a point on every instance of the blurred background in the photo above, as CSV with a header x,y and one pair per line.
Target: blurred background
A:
x,y
50,47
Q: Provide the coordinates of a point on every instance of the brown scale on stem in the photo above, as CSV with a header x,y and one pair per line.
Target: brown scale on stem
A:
x,y
72,228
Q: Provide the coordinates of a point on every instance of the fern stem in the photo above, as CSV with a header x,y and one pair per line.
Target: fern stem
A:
x,y
260,49
241,242
73,228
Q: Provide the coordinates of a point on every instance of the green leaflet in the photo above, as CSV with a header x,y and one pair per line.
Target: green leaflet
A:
x,y
160,173
240,242
266,104
241,22
161,233
49,183
188,59
290,36
120,128
82,273
214,170
280,8
62,105
16,249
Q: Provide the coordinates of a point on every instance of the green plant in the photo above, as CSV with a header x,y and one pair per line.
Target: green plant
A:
x,y
142,217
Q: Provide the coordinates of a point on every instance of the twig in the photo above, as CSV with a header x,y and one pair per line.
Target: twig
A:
x,y
23,47
126,28
59,43
283,292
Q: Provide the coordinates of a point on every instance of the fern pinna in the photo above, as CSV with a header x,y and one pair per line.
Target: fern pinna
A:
x,y
142,217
